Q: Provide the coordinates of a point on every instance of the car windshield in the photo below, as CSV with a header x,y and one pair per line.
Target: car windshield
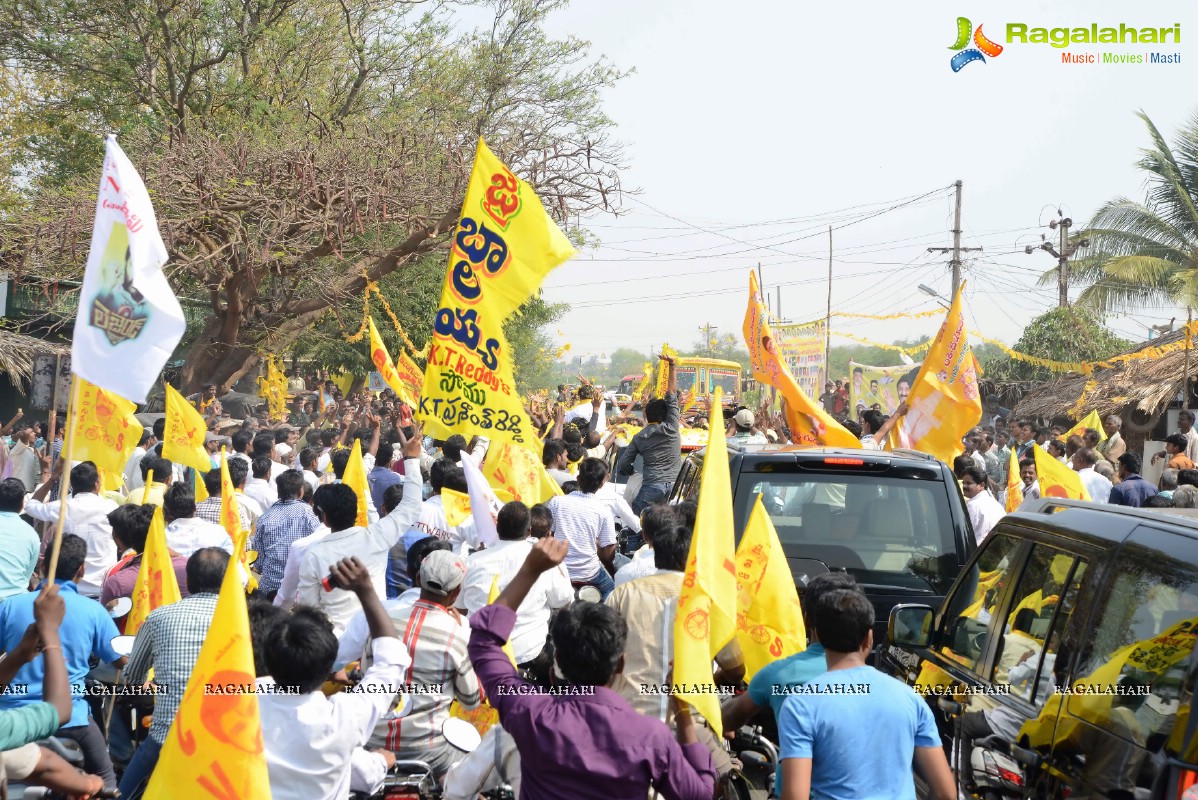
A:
x,y
726,382
686,378
886,532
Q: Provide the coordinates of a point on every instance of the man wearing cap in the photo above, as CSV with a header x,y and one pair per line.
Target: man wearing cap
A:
x,y
743,422
436,637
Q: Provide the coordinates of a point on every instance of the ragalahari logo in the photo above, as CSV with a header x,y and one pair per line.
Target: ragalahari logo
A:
x,y
982,46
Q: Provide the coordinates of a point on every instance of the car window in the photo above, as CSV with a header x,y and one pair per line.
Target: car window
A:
x,y
882,530
1142,643
966,622
1041,605
726,381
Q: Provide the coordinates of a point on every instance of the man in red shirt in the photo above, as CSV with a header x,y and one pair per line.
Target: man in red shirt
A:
x,y
841,404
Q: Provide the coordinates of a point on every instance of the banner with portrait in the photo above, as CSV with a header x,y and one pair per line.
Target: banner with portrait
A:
x,y
885,386
802,350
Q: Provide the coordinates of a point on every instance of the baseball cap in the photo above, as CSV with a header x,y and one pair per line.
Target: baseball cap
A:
x,y
744,418
441,572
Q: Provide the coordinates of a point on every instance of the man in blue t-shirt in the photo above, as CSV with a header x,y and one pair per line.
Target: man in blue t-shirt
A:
x,y
769,686
853,732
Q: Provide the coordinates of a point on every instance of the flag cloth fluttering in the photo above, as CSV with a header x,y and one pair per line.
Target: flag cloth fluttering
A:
x,y
386,367
1092,421
106,430
156,582
183,437
355,478
1014,484
129,321
1056,479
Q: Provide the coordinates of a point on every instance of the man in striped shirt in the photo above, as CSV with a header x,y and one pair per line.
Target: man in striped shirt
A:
x,y
585,522
436,636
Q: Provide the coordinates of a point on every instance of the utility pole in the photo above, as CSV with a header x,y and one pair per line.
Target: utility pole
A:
x,y
778,310
956,249
708,331
828,319
1062,255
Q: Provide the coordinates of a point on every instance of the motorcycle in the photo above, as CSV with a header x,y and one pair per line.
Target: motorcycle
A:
x,y
416,780
996,774
69,751
752,749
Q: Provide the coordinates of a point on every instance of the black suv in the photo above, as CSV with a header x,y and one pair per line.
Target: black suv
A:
x,y
1067,646
893,520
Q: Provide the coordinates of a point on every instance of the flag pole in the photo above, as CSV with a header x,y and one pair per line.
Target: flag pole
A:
x,y
68,452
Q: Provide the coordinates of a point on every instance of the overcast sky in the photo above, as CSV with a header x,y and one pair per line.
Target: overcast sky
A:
x,y
752,126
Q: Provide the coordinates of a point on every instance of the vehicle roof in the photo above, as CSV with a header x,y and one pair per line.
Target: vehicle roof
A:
x,y
707,362
760,453
1101,522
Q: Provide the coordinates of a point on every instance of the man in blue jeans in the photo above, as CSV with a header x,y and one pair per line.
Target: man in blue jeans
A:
x,y
586,523
659,445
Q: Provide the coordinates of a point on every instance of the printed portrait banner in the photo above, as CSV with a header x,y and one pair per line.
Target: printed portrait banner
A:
x,y
504,246
886,386
802,350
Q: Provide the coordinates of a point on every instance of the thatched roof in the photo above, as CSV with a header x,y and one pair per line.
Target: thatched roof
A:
x,y
17,353
1146,385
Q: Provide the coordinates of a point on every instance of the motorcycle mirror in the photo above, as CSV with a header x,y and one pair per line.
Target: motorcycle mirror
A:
x,y
461,734
121,607
123,645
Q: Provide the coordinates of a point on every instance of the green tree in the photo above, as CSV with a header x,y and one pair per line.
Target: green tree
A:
x,y
1070,334
294,149
1146,252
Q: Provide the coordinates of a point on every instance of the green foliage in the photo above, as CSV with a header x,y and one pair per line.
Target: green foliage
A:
x,y
532,346
1070,334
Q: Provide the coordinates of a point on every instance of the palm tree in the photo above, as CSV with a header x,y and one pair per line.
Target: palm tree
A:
x,y
1146,252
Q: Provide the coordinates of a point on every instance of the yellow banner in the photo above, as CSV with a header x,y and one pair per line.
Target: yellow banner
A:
x,y
1014,484
809,422
519,473
411,375
663,371
504,246
385,366
1056,479
1092,421
769,619
156,583
214,747
106,432
355,478
183,438
646,379
706,616
944,400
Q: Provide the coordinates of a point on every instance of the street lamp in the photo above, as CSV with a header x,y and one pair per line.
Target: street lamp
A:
x,y
930,291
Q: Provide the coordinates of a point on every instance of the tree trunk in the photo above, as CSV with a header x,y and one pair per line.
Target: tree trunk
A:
x,y
227,347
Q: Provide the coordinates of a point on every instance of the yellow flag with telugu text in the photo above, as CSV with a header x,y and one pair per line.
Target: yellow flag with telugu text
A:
x,y
106,430
183,438
769,619
1056,479
517,471
386,367
706,617
1014,484
355,478
663,371
214,747
504,246
156,583
1091,420
809,422
944,400
456,505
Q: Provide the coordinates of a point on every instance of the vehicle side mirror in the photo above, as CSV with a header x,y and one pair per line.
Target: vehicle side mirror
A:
x,y
910,626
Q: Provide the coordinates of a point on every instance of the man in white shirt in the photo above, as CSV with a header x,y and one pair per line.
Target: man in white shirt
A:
x,y
530,636
132,471
87,518
875,428
185,532
24,459
260,486
984,511
653,519
585,522
310,738
555,459
1098,487
337,507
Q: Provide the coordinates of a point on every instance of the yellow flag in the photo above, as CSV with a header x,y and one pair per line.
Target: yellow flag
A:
x,y
492,596
230,520
944,400
519,472
214,746
769,619
646,379
343,381
706,618
457,507
106,430
355,478
688,401
1091,420
1056,479
201,490
183,439
504,246
809,422
386,367
1014,484
156,584
663,371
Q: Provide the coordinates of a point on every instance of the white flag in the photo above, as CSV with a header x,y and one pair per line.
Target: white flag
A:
x,y
483,502
129,321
